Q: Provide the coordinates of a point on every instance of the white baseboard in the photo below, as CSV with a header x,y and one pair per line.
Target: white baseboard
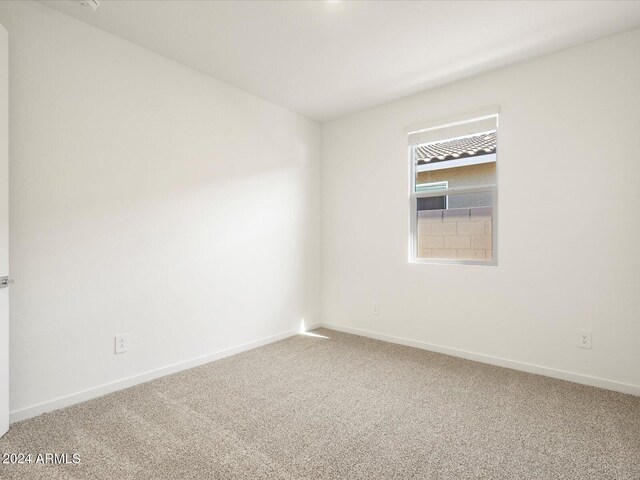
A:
x,y
68,400
501,362
94,392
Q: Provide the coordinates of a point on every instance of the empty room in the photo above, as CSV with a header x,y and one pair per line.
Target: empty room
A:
x,y
323,239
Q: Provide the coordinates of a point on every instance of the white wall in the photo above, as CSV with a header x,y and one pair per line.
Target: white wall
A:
x,y
569,222
149,199
4,228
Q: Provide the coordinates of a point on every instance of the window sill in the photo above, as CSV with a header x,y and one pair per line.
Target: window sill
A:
x,y
444,261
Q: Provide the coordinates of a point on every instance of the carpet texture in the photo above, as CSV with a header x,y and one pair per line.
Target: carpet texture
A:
x,y
343,406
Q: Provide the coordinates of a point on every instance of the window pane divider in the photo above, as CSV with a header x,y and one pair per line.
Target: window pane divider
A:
x,y
453,191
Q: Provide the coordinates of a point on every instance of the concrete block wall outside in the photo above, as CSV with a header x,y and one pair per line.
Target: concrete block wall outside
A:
x,y
456,233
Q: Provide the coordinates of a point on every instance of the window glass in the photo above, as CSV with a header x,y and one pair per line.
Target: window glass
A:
x,y
457,233
454,185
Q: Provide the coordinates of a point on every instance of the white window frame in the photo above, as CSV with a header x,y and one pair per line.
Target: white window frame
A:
x,y
413,209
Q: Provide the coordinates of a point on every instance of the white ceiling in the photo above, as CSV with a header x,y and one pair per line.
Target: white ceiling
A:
x,y
326,59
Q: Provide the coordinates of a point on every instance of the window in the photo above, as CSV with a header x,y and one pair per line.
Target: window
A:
x,y
432,203
454,190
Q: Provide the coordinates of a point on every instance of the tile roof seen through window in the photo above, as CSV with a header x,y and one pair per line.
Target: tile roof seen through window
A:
x,y
473,146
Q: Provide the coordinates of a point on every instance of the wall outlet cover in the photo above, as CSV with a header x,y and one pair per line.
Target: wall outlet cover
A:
x,y
584,339
121,343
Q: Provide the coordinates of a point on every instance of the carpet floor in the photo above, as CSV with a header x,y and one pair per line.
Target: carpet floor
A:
x,y
339,406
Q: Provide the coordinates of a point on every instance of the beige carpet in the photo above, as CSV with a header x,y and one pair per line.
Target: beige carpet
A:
x,y
340,407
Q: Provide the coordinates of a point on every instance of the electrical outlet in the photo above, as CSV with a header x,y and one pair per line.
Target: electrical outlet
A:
x,y
122,343
584,339
376,309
